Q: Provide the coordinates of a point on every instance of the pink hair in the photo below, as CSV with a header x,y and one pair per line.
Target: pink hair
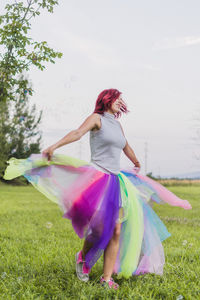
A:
x,y
105,101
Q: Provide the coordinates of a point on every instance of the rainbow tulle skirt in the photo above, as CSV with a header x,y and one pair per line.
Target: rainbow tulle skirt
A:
x,y
95,201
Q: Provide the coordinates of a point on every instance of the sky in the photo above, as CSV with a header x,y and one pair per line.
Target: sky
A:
x,y
148,50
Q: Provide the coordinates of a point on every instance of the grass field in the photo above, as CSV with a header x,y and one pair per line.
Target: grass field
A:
x,y
38,246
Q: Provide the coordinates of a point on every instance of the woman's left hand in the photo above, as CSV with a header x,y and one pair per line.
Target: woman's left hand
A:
x,y
137,164
137,167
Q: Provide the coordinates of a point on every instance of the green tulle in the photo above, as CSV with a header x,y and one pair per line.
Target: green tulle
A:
x,y
131,247
18,167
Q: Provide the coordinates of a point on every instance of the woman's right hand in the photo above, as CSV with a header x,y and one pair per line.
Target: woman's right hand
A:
x,y
48,152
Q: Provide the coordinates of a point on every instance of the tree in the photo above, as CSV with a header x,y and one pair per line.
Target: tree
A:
x,y
150,174
24,135
19,134
4,131
20,51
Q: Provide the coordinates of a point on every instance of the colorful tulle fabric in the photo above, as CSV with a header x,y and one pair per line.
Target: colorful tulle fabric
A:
x,y
95,201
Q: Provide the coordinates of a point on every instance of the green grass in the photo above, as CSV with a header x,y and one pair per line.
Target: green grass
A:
x,y
37,257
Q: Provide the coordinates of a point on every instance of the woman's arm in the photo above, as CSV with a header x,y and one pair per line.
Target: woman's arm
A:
x,y
75,135
128,151
130,154
91,122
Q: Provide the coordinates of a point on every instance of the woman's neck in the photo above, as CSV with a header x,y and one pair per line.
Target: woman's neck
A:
x,y
110,112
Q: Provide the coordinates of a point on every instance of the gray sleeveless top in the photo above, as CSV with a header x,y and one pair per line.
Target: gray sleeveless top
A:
x,y
107,143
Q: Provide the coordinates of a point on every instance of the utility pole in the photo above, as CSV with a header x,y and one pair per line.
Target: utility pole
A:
x,y
145,155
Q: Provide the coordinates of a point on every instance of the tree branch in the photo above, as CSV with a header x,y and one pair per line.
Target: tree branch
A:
x,y
29,4
35,11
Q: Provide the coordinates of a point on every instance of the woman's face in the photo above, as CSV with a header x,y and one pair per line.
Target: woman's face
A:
x,y
115,107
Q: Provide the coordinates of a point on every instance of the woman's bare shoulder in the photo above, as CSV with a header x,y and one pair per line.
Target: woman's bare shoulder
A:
x,y
93,117
96,115
97,118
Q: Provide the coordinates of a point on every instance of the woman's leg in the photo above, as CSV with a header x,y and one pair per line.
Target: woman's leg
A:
x,y
91,239
86,247
110,253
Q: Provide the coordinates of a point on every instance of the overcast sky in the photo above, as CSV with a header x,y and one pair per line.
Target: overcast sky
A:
x,y
148,50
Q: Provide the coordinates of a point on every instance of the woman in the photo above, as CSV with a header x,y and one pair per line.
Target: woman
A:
x,y
107,206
